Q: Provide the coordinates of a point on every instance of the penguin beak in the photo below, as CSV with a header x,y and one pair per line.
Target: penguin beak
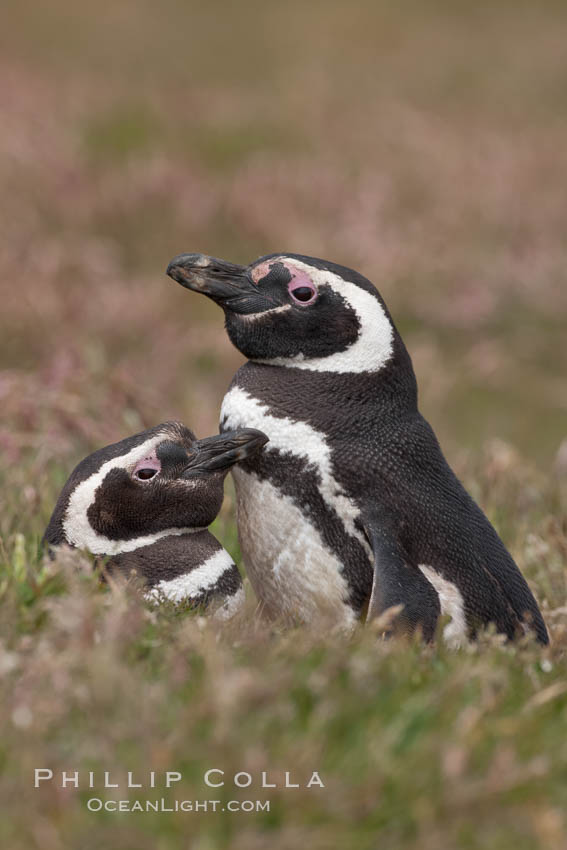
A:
x,y
227,284
219,453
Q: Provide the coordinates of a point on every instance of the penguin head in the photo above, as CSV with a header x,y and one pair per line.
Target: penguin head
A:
x,y
291,310
140,489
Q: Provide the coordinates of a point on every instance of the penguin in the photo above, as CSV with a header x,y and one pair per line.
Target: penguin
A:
x,y
145,504
352,510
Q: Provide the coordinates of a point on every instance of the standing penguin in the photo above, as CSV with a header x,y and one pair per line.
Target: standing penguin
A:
x,y
353,505
146,502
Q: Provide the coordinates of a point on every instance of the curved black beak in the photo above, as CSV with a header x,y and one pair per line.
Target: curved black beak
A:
x,y
228,284
223,451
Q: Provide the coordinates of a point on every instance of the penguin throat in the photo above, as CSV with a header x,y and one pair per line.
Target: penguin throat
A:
x,y
104,546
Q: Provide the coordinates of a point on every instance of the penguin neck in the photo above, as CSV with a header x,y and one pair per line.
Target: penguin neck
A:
x,y
178,568
117,547
368,395
176,552
103,546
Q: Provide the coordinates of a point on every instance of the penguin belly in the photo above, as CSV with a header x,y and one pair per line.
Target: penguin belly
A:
x,y
292,572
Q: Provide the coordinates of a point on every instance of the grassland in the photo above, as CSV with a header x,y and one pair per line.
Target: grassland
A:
x,y
423,144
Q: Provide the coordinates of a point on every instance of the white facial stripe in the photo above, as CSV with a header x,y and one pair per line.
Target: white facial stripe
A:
x,y
291,570
374,345
195,582
250,317
119,547
451,601
296,438
76,526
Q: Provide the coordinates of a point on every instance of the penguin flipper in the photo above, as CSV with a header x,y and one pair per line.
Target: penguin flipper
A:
x,y
398,582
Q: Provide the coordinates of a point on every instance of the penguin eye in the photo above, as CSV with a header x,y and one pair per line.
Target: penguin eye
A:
x,y
145,473
147,468
303,294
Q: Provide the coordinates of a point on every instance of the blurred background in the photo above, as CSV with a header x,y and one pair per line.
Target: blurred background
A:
x,y
422,144
425,145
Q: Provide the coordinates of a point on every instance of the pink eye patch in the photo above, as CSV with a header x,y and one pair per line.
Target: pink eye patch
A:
x,y
147,468
301,289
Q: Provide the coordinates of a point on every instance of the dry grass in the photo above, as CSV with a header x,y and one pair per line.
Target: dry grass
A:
x,y
421,143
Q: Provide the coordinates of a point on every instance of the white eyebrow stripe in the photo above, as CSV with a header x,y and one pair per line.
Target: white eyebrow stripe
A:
x,y
76,526
374,345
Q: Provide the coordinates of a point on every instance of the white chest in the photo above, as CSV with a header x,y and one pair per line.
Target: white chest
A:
x,y
291,569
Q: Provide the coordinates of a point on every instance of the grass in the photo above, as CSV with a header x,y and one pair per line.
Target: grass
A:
x,y
422,144
420,746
